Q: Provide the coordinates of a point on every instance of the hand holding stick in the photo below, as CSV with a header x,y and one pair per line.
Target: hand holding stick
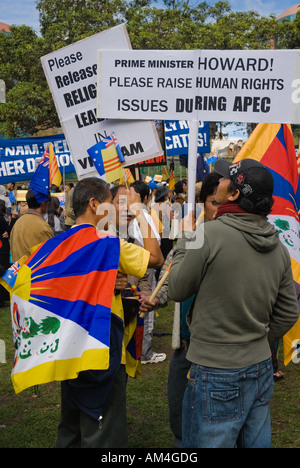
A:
x,y
158,287
166,274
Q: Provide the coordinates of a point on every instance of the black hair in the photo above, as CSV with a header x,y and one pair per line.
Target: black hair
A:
x,y
179,186
141,188
91,187
114,190
31,200
262,206
2,208
209,184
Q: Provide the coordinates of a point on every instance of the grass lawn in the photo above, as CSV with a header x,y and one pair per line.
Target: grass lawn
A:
x,y
29,420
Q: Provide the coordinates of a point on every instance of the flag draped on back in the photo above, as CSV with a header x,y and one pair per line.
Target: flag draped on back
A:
x,y
9,278
133,341
273,146
61,307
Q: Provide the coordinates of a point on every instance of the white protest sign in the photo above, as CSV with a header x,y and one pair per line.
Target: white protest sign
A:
x,y
228,85
71,73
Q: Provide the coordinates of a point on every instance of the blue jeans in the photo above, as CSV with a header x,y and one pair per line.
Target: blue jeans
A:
x,y
227,408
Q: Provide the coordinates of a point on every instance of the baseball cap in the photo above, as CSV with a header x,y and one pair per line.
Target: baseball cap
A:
x,y
249,176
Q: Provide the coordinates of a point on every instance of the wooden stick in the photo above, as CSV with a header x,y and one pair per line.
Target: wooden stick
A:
x,y
166,274
125,177
200,218
158,287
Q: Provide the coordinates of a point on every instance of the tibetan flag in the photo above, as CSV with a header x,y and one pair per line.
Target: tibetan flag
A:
x,y
105,158
54,172
40,182
133,342
61,307
9,278
273,146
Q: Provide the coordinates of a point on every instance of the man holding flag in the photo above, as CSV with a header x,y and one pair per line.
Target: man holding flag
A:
x,y
84,422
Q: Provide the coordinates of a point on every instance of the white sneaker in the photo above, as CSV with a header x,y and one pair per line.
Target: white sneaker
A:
x,y
156,358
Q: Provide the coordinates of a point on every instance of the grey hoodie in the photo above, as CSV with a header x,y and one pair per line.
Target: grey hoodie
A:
x,y
244,291
5,198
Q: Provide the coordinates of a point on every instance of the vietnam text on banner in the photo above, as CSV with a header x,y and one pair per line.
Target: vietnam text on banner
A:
x,y
232,85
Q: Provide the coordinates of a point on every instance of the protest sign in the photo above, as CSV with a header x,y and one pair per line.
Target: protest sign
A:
x,y
18,157
177,137
212,85
71,73
159,161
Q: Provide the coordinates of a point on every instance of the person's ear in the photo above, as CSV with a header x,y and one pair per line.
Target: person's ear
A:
x,y
93,204
234,195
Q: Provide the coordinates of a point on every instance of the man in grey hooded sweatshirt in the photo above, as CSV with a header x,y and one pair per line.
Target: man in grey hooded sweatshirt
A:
x,y
245,298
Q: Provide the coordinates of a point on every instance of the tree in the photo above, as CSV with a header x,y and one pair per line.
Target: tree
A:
x,y
175,27
29,105
64,22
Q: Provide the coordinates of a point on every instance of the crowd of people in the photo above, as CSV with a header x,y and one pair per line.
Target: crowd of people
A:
x,y
233,292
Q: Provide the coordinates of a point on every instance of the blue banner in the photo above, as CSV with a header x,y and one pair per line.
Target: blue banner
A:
x,y
17,157
177,137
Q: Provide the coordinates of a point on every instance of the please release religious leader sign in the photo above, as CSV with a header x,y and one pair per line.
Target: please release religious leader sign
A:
x,y
228,85
71,73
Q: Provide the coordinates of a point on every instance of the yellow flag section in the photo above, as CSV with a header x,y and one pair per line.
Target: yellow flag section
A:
x,y
165,174
112,164
273,145
172,180
44,351
128,177
55,175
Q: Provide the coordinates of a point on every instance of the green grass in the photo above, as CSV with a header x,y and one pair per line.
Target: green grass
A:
x,y
29,420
